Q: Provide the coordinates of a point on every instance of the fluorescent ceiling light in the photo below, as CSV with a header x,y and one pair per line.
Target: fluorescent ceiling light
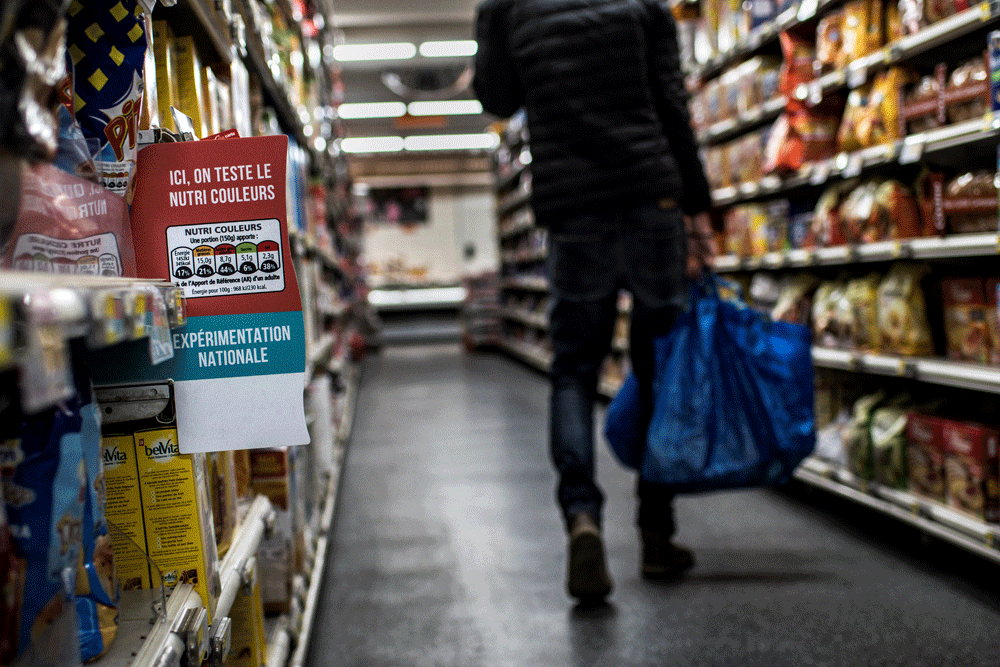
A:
x,y
452,49
372,110
445,108
451,142
387,51
372,144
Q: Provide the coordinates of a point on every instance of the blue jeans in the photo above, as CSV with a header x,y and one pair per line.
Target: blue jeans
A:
x,y
591,257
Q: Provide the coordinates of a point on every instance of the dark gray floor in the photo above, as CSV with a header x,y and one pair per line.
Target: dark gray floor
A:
x,y
448,551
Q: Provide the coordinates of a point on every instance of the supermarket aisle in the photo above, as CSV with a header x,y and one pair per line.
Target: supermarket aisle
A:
x,y
448,551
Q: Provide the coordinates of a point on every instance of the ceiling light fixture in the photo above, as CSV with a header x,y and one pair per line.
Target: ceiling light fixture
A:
x,y
387,51
372,144
372,110
445,108
451,142
451,49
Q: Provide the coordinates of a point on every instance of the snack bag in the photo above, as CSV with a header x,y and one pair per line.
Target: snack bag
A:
x,y
855,31
902,312
69,225
794,303
827,226
879,123
862,294
965,319
797,63
105,56
829,41
827,330
888,440
44,483
857,437
849,135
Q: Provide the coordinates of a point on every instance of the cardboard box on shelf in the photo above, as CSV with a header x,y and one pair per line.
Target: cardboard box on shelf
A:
x,y
247,648
270,471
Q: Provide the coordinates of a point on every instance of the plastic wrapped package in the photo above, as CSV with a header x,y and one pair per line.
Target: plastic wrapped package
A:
x,y
828,315
794,303
880,124
862,295
829,41
923,107
903,313
969,203
799,137
69,225
965,319
893,22
778,221
888,443
967,93
925,455
797,63
858,16
857,436
106,55
827,225
878,211
849,134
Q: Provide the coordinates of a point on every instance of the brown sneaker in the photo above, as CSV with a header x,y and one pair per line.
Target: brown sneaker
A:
x,y
661,558
588,579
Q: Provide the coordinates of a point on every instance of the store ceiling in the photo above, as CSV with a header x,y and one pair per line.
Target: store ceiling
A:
x,y
384,21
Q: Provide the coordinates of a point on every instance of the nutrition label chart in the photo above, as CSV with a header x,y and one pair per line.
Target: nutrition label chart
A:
x,y
226,258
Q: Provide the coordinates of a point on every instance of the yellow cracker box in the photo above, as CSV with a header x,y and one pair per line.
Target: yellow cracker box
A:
x,y
124,510
166,77
247,614
190,87
177,513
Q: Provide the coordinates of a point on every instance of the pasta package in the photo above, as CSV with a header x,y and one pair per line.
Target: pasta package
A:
x,y
903,313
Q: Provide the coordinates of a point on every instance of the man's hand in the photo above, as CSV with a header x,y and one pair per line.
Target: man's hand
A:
x,y
701,247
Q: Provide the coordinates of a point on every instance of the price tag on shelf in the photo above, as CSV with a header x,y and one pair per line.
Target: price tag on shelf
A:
x,y
857,76
853,167
807,9
912,149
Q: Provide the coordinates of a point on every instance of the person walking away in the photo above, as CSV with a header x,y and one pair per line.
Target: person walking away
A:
x,y
615,168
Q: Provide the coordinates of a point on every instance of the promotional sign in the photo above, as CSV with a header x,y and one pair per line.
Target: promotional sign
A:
x,y
210,217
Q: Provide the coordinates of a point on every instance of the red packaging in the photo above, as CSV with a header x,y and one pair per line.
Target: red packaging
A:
x,y
925,455
11,593
992,321
69,225
971,477
965,319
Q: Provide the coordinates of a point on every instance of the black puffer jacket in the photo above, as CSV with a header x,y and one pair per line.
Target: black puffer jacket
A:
x,y
605,98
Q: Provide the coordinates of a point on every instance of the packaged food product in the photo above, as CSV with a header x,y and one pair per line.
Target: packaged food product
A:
x,y
271,477
993,320
902,312
12,570
888,441
829,40
166,78
191,97
923,104
797,62
911,15
969,203
737,225
828,330
965,324
222,485
880,122
967,93
96,594
827,225
993,59
925,455
798,137
247,643
971,478
68,225
778,212
794,303
106,55
157,497
893,23
857,436
862,294
44,485
857,24
849,136
877,211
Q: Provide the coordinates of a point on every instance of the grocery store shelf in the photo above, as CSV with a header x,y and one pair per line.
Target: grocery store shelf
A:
x,y
199,19
41,312
530,283
319,565
927,515
518,225
274,92
537,320
163,641
729,128
977,377
950,247
416,298
524,256
513,201
849,165
236,570
529,353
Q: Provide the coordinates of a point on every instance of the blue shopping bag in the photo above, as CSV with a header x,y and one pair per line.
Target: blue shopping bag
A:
x,y
733,400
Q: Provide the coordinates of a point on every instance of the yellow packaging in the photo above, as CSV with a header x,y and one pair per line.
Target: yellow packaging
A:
x,y
150,115
247,644
190,91
124,510
222,483
213,119
177,513
166,78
